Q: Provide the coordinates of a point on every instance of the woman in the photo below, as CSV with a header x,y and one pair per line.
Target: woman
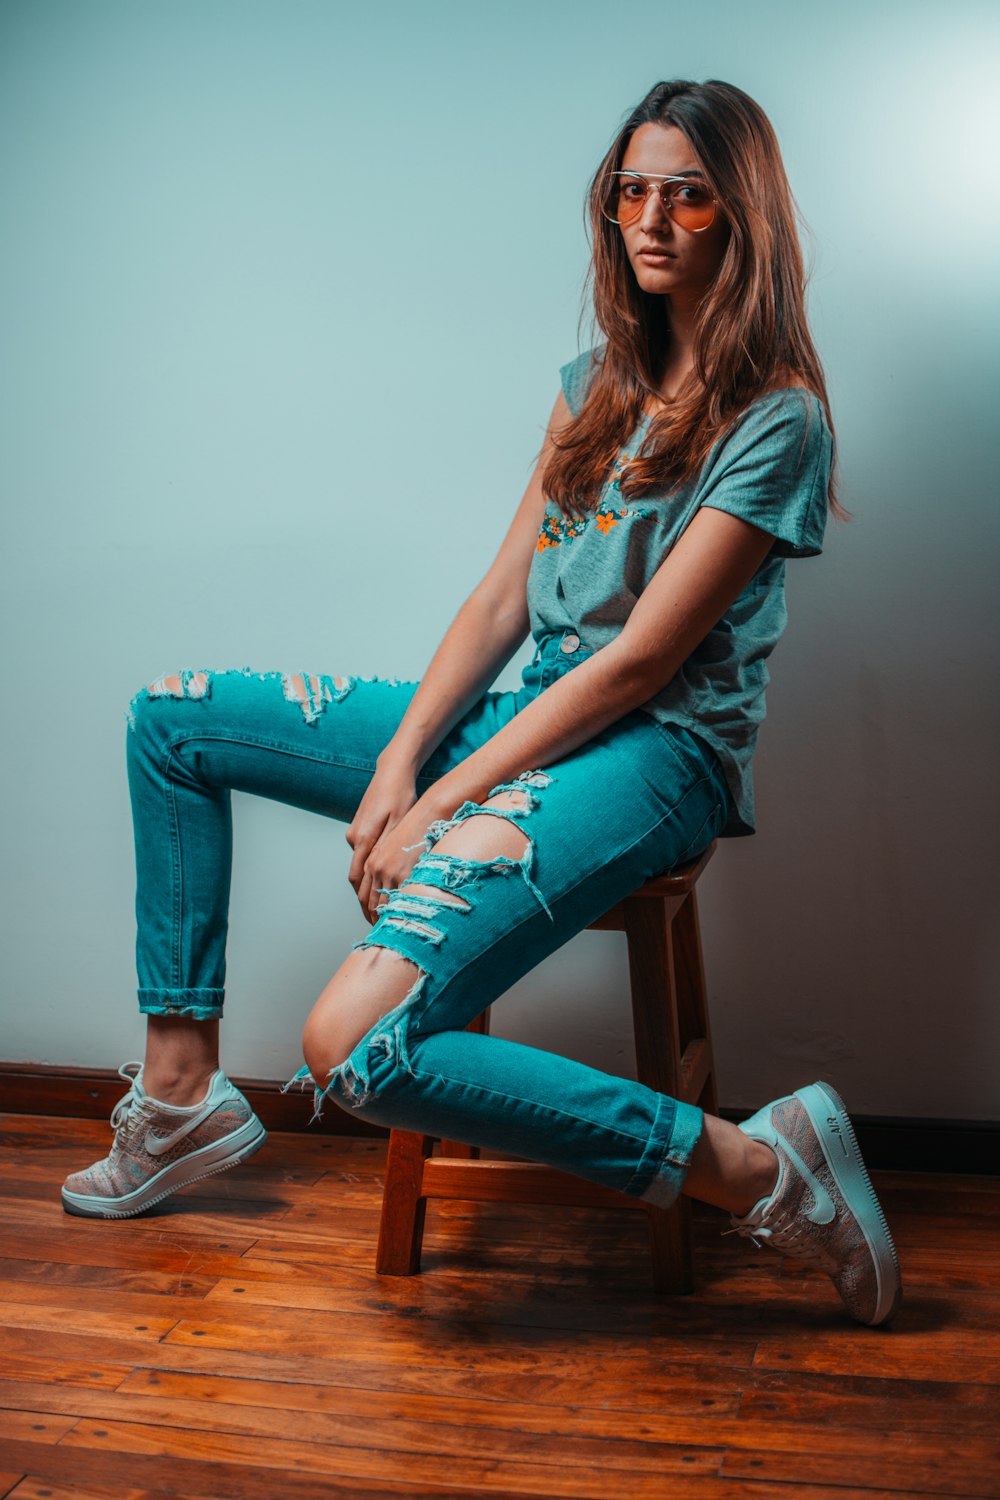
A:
x,y
685,460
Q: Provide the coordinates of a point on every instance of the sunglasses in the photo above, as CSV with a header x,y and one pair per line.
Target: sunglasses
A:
x,y
688,202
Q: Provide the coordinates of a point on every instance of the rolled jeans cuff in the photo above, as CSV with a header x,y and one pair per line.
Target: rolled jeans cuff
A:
x,y
673,1156
197,1005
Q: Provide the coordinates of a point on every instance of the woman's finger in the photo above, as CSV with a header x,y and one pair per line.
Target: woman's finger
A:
x,y
376,878
365,841
382,882
364,894
356,873
375,900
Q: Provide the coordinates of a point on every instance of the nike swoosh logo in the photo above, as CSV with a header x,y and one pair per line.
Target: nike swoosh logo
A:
x,y
156,1145
823,1210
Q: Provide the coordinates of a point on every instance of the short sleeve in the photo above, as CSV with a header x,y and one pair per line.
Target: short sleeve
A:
x,y
577,375
774,471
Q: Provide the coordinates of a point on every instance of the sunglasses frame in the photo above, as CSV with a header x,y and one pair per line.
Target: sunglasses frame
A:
x,y
647,178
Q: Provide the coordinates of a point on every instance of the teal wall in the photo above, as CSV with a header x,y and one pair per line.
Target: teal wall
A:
x,y
244,422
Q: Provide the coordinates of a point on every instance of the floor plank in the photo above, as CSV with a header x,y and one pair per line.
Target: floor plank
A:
x,y
235,1342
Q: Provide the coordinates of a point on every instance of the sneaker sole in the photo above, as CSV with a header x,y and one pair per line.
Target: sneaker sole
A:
x,y
216,1157
832,1124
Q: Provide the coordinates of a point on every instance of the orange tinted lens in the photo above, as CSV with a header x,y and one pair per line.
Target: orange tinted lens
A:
x,y
623,198
691,205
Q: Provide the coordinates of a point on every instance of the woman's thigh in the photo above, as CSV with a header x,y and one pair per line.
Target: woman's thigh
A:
x,y
636,800
309,739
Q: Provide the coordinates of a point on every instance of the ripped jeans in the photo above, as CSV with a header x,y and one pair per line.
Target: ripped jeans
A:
x,y
638,798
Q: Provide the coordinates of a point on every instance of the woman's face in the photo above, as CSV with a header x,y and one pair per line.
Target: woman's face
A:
x,y
694,257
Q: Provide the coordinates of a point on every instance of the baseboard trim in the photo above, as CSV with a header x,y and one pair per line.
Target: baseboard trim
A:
x,y
91,1094
895,1143
888,1143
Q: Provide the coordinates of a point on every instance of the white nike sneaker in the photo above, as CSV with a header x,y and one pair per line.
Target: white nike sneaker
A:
x,y
823,1209
159,1148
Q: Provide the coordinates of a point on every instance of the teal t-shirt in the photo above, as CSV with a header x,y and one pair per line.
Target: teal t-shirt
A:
x,y
773,469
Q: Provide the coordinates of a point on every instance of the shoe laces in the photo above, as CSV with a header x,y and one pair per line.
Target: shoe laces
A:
x,y
121,1113
789,1231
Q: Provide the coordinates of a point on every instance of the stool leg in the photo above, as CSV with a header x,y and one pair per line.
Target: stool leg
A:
x,y
401,1227
670,1236
649,932
692,994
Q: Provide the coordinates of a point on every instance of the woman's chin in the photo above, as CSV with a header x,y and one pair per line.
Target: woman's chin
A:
x,y
656,278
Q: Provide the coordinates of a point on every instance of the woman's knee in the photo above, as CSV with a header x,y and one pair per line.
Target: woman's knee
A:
x,y
370,984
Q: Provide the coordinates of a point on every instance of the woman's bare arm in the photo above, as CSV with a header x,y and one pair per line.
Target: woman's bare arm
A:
x,y
484,634
705,571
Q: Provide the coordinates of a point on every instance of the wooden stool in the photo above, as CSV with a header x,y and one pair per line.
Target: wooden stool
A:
x,y
673,1051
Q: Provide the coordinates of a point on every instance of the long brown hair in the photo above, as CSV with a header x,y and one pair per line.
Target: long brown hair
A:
x,y
751,334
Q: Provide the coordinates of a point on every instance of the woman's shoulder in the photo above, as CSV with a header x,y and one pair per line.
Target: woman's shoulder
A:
x,y
789,402
785,383
786,424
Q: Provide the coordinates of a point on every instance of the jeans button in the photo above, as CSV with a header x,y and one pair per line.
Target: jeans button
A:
x,y
570,643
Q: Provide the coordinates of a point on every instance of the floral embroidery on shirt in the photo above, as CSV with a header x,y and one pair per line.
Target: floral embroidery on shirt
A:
x,y
556,529
618,468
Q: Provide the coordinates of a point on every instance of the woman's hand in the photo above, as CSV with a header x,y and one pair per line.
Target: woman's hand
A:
x,y
390,861
389,816
390,795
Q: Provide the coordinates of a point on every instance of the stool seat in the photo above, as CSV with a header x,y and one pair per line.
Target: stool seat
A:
x,y
673,1051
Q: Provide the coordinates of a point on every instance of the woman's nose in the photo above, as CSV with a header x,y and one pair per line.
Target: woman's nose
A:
x,y
654,212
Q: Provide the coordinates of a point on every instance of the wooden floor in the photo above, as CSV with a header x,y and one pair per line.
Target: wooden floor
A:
x,y
236,1342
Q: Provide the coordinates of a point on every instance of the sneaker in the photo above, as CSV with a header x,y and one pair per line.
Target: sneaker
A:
x,y
823,1209
159,1148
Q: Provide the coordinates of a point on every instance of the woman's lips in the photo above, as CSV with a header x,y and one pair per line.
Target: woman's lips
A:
x,y
656,255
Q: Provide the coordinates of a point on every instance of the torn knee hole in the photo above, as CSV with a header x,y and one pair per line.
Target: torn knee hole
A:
x,y
470,838
312,691
352,1078
509,799
416,925
179,685
413,907
433,893
298,690
461,851
368,1004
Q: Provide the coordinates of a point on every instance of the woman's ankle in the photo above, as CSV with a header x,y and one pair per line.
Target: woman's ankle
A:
x,y
179,1089
182,1055
728,1166
762,1178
